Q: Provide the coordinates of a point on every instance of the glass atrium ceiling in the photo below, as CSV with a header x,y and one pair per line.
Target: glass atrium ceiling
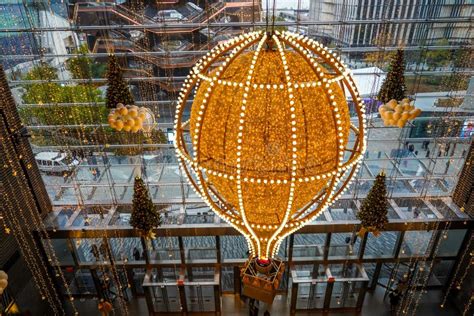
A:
x,y
54,53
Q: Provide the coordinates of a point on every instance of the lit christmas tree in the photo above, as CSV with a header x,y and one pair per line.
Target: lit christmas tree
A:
x,y
145,215
373,212
393,86
117,89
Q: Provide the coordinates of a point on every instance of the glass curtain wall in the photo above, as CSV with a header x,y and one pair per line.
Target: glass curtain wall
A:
x,y
55,56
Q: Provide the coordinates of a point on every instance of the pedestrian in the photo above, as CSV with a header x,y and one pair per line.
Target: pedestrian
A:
x,y
253,308
94,173
394,300
454,150
446,149
95,251
97,172
411,148
427,154
136,254
447,166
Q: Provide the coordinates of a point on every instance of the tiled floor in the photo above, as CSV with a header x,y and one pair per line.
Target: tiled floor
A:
x,y
233,306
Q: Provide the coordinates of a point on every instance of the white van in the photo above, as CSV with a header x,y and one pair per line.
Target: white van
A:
x,y
55,162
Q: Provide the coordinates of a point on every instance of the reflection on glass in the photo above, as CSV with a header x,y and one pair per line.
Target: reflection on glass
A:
x,y
344,245
61,248
343,210
441,271
308,245
164,249
127,249
81,281
227,279
234,247
450,242
415,243
382,246
200,248
414,209
444,209
91,250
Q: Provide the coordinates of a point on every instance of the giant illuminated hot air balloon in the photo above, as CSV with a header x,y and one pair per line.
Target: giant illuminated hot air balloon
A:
x,y
268,141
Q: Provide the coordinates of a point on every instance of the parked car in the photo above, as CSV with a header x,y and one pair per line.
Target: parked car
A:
x,y
55,162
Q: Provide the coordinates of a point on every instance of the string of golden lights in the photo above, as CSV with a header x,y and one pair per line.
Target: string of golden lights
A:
x,y
246,93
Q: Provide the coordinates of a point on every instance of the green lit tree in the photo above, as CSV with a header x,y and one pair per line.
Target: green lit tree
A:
x,y
84,67
393,86
80,66
145,216
373,212
439,57
117,90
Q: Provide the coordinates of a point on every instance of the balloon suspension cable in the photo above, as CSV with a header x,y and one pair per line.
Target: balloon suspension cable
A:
x,y
273,17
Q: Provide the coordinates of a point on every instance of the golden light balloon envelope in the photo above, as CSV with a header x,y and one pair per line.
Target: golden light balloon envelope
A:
x,y
269,142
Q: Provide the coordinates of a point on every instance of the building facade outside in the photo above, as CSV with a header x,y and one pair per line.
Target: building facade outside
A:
x,y
383,33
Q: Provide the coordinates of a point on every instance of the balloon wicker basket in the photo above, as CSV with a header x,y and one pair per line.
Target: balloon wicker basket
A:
x,y
262,284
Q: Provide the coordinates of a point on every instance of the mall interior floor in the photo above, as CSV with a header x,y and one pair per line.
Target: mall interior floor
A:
x,y
232,305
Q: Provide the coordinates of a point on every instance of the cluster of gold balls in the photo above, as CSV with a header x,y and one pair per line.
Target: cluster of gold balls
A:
x,y
396,113
128,118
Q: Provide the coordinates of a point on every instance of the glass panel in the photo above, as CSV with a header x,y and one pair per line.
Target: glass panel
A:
x,y
376,166
138,276
200,248
165,274
283,250
370,270
382,246
441,271
200,298
343,210
80,281
415,243
234,247
60,218
311,296
227,279
200,274
127,249
165,298
450,242
310,271
412,167
308,245
443,209
414,208
92,216
203,217
61,248
345,294
90,250
163,249
344,245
